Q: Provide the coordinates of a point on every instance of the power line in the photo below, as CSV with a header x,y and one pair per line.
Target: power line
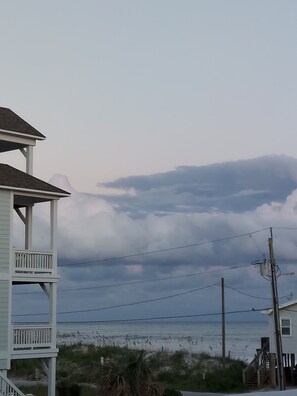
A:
x,y
252,310
144,280
257,245
284,228
98,261
124,305
250,295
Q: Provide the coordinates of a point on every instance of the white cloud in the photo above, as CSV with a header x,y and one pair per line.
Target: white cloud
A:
x,y
92,228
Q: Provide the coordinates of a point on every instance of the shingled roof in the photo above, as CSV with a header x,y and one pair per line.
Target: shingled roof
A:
x,y
9,121
14,178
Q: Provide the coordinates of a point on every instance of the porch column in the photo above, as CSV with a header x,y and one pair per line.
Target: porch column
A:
x,y
29,160
53,297
53,241
53,312
51,377
28,227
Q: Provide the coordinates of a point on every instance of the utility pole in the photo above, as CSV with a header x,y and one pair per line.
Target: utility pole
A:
x,y
278,338
223,323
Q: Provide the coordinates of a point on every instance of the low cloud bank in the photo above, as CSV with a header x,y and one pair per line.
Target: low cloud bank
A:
x,y
93,228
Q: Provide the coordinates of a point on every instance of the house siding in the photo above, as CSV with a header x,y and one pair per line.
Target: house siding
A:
x,y
5,232
4,324
289,343
3,364
5,225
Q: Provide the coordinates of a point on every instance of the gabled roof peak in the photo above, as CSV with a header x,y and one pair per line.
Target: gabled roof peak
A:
x,y
281,306
11,122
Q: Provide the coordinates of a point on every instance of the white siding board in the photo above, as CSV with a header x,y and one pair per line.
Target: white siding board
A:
x,y
4,322
3,364
5,224
5,234
4,257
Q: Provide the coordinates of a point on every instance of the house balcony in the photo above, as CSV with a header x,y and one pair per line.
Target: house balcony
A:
x,y
31,341
28,263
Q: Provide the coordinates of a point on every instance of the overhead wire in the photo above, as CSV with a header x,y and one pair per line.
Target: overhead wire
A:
x,y
98,261
152,252
123,305
144,280
251,310
257,246
250,295
145,301
284,228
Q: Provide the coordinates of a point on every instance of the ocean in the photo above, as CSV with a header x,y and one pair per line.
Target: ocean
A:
x,y
242,338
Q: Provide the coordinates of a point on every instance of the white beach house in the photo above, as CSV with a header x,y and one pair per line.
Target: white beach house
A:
x,y
288,328
263,369
20,191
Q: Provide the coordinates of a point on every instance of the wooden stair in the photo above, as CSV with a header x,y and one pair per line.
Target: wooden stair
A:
x,y
252,381
257,373
7,388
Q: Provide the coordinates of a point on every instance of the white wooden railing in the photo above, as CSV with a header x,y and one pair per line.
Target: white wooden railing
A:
x,y
31,337
27,261
7,388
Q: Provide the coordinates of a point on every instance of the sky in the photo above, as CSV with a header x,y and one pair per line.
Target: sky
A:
x,y
126,88
172,124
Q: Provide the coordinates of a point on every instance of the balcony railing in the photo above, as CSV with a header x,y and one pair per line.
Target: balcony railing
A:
x,y
31,337
30,262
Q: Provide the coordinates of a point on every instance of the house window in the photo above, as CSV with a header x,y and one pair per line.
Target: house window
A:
x,y
286,326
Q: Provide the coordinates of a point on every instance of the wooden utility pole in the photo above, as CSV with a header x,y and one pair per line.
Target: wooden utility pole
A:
x,y
223,323
278,337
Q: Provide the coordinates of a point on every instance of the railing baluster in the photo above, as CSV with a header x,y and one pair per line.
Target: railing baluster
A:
x,y
32,337
28,261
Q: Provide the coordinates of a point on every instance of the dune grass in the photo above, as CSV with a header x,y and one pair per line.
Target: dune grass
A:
x,y
81,364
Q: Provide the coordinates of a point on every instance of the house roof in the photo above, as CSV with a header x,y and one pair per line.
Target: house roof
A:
x,y
281,306
17,180
11,122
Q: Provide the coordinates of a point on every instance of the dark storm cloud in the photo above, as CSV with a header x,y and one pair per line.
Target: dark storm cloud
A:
x,y
236,186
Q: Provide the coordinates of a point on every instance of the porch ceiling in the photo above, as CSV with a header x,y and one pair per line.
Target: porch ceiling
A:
x,y
9,146
21,201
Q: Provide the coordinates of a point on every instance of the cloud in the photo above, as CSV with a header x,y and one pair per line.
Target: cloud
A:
x,y
204,188
93,228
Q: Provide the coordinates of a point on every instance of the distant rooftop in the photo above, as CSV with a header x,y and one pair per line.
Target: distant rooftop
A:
x,y
9,121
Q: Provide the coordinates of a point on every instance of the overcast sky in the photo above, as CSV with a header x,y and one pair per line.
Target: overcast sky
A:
x,y
137,87
150,109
